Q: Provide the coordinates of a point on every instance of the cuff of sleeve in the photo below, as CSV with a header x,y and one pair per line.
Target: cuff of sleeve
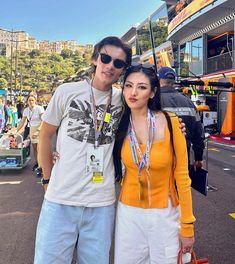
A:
x,y
187,230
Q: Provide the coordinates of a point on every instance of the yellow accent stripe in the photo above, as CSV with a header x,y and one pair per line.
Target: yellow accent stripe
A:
x,y
232,215
214,149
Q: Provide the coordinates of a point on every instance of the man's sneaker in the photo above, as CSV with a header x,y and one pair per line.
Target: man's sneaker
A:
x,y
35,166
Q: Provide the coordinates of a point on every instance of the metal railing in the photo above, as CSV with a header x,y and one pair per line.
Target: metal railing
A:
x,y
220,62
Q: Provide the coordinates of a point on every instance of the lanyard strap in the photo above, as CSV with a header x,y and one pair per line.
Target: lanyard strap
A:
x,y
31,112
94,114
145,157
31,115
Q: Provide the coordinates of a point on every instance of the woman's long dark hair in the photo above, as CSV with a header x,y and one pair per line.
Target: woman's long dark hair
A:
x,y
154,104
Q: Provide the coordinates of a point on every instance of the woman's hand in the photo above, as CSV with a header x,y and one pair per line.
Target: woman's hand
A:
x,y
55,156
35,135
186,244
182,126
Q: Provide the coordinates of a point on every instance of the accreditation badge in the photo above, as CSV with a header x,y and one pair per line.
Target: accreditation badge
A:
x,y
95,162
107,117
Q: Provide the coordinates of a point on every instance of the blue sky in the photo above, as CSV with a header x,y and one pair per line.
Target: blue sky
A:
x,y
86,21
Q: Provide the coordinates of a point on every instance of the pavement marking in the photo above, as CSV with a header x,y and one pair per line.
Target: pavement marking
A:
x,y
14,214
226,169
232,215
214,149
10,182
221,144
233,156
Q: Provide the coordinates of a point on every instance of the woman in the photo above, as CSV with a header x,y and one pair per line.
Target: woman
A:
x,y
33,114
14,114
152,148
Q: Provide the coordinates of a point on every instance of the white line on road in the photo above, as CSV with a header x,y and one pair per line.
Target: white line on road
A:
x,y
10,182
221,144
226,169
14,214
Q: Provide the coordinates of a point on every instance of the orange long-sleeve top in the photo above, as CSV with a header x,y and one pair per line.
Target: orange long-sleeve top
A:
x,y
162,177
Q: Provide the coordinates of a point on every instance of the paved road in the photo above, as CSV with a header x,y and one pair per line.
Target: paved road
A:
x,y
215,228
19,210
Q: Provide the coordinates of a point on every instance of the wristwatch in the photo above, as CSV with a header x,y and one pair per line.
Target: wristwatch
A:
x,y
44,181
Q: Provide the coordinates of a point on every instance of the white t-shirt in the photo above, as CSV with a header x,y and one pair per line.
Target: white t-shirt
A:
x,y
70,109
33,115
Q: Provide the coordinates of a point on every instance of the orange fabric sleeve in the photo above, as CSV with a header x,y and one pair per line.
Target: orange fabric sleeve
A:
x,y
183,182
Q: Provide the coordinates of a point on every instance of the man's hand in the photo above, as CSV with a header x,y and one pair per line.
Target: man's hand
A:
x,y
55,156
182,126
35,135
198,164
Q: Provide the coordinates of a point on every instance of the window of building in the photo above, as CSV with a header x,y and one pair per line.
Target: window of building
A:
x,y
184,59
196,61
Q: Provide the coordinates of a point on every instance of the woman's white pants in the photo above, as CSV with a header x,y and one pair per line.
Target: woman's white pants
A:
x,y
147,236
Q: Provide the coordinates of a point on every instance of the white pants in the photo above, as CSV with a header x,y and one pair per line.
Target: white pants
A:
x,y
147,236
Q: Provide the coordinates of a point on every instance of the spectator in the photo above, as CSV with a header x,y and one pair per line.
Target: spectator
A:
x,y
180,104
33,115
5,116
14,114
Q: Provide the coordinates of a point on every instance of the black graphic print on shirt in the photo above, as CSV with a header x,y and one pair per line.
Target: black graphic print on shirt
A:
x,y
81,127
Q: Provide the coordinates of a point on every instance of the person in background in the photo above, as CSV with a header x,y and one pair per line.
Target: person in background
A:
x,y
173,101
14,115
20,107
154,214
5,116
33,114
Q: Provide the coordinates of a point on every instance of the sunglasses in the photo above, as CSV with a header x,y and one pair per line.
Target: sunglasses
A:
x,y
144,66
106,59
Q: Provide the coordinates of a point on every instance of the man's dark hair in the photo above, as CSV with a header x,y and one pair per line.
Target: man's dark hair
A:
x,y
168,82
113,41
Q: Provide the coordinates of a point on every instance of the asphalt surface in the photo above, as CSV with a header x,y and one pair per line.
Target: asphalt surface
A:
x,y
21,196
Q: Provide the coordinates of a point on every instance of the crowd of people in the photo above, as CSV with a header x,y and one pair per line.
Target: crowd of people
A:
x,y
22,118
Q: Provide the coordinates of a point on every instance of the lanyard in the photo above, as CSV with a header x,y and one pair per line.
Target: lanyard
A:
x,y
145,157
105,117
31,112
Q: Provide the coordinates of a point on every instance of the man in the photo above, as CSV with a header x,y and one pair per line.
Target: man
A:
x,y
176,102
5,116
79,200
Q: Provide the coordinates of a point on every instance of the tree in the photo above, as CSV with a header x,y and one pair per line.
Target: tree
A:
x,y
3,83
87,57
66,53
34,67
34,53
55,57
